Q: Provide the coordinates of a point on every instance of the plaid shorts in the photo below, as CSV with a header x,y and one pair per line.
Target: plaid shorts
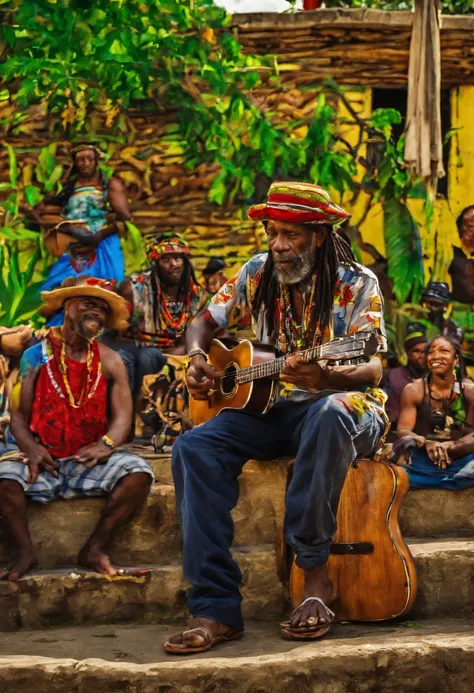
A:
x,y
74,479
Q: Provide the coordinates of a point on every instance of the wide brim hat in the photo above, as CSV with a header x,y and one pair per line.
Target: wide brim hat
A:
x,y
89,286
299,203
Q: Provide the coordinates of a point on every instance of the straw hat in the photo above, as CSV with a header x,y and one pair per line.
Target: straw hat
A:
x,y
86,285
299,203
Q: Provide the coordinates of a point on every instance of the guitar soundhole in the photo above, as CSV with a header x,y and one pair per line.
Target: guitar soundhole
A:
x,y
229,380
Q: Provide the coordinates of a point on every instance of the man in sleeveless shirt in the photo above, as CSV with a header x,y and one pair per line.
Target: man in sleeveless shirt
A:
x,y
74,413
307,289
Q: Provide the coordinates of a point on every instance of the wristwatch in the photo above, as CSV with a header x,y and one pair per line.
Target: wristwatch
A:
x,y
196,352
108,442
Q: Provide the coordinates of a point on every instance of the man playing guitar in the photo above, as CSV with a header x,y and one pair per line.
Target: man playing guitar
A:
x,y
305,291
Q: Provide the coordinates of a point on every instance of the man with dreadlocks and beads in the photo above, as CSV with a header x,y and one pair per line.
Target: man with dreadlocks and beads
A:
x,y
164,299
305,290
84,240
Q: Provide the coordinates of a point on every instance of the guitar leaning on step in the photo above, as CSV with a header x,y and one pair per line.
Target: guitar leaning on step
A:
x,y
371,568
251,372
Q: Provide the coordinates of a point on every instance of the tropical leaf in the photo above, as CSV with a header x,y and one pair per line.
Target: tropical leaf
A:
x,y
404,251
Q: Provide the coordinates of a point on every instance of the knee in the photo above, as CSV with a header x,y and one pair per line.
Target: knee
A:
x,y
9,486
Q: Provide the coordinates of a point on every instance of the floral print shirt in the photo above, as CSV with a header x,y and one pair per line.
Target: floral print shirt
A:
x,y
358,306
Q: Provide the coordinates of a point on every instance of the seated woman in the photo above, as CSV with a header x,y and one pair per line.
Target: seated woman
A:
x,y
86,198
435,427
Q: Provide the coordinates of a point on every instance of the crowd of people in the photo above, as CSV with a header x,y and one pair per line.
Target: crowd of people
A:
x,y
114,368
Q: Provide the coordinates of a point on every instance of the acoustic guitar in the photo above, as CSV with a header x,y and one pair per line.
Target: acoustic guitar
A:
x,y
251,372
371,567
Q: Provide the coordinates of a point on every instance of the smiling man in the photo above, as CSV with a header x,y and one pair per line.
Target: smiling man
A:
x,y
305,290
75,411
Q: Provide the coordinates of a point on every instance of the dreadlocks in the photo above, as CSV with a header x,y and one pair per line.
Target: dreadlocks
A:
x,y
187,282
335,250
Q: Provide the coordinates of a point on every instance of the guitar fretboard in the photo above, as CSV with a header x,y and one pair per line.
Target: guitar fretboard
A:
x,y
269,368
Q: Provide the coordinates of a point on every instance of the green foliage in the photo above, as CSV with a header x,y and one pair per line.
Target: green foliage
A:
x,y
22,269
403,249
394,186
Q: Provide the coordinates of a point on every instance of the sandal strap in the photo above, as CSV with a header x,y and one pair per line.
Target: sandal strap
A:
x,y
316,599
198,631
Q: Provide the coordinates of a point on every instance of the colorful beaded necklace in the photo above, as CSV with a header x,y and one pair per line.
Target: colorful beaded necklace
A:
x,y
296,336
88,391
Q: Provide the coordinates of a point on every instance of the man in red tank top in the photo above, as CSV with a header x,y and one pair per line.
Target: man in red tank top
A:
x,y
75,412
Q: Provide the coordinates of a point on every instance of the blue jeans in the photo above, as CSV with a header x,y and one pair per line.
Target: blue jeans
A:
x,y
325,436
139,361
423,473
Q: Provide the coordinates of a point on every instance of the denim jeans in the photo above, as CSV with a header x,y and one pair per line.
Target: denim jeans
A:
x,y
139,361
326,436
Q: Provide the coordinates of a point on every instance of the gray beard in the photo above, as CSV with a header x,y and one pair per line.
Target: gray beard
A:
x,y
299,270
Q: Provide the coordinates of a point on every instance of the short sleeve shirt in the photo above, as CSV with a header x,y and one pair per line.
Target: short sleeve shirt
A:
x,y
357,306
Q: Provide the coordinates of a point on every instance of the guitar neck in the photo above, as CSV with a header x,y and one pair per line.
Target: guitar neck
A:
x,y
275,366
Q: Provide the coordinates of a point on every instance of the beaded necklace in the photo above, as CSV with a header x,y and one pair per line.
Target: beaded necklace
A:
x,y
306,334
88,392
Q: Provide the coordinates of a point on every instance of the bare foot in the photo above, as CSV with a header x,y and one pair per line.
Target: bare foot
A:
x,y
312,613
25,560
93,557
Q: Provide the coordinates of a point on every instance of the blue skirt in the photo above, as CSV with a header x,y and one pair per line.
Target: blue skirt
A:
x,y
423,473
108,264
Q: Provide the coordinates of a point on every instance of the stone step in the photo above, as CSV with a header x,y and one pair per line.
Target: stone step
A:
x,y
424,513
153,537
428,657
73,596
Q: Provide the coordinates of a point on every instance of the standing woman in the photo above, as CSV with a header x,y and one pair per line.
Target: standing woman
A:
x,y
87,197
436,423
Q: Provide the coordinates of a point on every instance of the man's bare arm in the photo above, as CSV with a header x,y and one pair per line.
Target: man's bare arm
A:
x,y
349,377
121,408
200,377
37,455
410,399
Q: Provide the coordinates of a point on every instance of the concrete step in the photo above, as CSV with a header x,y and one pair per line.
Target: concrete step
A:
x,y
424,513
73,596
60,528
428,657
153,537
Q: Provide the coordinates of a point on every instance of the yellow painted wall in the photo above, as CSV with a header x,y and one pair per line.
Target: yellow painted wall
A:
x,y
442,234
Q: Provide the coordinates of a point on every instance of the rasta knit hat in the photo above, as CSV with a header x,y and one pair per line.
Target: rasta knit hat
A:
x,y
160,245
299,203
415,334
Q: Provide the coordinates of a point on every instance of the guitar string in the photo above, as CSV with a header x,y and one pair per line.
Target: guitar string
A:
x,y
272,367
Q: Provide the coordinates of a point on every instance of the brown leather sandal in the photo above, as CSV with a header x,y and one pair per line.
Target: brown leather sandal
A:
x,y
177,643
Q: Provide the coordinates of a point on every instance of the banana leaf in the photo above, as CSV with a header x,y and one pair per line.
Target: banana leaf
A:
x,y
404,251
133,249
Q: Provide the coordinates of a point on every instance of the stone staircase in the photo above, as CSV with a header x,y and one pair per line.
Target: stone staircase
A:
x,y
438,525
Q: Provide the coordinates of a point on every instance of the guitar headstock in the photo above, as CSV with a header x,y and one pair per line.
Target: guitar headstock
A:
x,y
361,345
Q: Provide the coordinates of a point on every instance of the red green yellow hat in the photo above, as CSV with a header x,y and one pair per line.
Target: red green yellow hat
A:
x,y
161,245
299,203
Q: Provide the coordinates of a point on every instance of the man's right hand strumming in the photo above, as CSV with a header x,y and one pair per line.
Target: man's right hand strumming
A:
x,y
201,378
